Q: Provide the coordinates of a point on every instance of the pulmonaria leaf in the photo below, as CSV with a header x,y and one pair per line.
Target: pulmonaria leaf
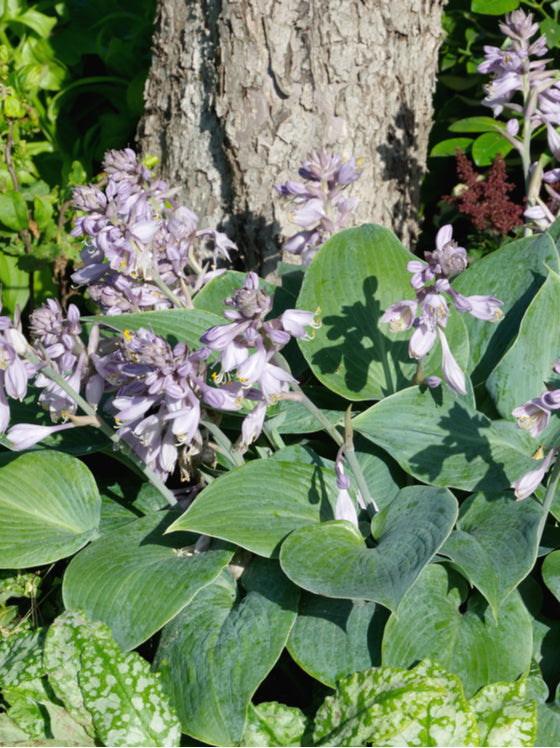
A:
x,y
505,717
274,724
124,698
374,705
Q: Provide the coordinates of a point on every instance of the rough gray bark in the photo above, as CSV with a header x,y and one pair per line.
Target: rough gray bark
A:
x,y
241,90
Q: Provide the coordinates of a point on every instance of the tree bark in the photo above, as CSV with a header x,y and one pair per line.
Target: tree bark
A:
x,y
241,90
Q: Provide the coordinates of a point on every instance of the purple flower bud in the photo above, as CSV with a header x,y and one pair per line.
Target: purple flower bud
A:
x,y
26,435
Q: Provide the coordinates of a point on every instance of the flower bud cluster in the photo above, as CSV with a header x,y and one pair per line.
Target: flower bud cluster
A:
x,y
520,67
156,393
247,346
138,239
429,312
322,206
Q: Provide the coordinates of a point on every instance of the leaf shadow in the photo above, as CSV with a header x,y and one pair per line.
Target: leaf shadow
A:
x,y
466,434
359,343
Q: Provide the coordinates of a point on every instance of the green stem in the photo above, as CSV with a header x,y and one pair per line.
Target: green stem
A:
x,y
223,443
104,427
371,506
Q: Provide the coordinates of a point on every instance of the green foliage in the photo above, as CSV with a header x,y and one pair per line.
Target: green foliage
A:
x,y
74,686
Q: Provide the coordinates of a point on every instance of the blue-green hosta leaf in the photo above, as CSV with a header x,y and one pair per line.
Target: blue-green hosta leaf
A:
x,y
551,573
374,705
495,544
430,623
333,638
125,700
446,723
443,441
526,261
175,325
332,558
274,724
353,279
258,504
504,716
49,508
135,579
216,652
527,365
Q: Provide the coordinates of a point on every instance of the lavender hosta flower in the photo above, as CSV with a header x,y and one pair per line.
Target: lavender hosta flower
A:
x,y
251,427
26,435
428,313
294,321
321,206
528,483
451,370
532,416
400,315
136,232
345,508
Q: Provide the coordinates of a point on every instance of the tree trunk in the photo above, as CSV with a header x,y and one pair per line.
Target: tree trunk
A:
x,y
241,90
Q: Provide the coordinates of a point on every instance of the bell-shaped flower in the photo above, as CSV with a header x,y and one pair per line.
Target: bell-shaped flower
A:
x,y
345,508
400,315
528,483
26,435
451,370
251,427
295,321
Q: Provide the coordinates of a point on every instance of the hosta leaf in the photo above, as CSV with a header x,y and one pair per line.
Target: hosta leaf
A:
x,y
551,573
49,508
504,716
258,504
527,365
430,623
374,705
526,260
495,544
443,441
332,558
333,638
135,579
175,325
215,653
353,279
